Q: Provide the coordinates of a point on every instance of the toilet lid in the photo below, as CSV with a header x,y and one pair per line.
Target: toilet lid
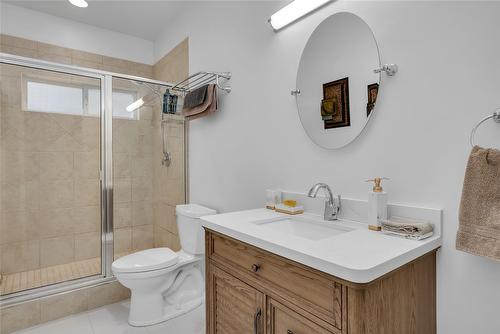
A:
x,y
146,260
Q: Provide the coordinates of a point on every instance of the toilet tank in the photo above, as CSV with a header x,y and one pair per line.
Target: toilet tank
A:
x,y
189,225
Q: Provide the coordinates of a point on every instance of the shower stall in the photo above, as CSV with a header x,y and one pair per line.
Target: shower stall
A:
x,y
83,177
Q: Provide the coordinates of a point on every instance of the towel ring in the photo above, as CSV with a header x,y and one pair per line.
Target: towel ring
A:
x,y
496,118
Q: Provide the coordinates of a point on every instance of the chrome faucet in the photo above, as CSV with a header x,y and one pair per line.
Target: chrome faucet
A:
x,y
332,205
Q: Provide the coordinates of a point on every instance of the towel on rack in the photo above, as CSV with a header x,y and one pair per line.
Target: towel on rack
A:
x,y
196,97
479,216
208,107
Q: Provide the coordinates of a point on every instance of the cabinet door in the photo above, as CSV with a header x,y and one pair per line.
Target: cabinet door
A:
x,y
283,320
233,306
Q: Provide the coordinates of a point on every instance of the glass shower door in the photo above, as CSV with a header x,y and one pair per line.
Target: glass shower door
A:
x,y
50,162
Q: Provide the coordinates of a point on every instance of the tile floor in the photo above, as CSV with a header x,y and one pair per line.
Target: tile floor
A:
x,y
15,282
112,319
30,279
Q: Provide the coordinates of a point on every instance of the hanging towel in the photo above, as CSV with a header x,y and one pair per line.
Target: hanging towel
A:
x,y
196,97
208,107
479,216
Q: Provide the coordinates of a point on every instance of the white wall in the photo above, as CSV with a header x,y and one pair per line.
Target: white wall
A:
x,y
29,24
449,59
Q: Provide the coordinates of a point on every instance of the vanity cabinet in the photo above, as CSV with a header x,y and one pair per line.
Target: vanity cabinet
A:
x,y
250,290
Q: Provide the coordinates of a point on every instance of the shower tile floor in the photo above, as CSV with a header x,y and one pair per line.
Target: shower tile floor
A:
x,y
30,279
112,319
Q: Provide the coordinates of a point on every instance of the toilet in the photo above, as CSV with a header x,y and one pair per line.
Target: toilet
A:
x,y
165,284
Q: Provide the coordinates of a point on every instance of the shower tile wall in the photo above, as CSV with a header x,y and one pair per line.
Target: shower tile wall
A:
x,y
22,229
49,207
50,212
169,187
133,179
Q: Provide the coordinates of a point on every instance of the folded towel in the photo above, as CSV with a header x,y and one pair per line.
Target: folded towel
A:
x,y
479,215
196,97
209,106
407,226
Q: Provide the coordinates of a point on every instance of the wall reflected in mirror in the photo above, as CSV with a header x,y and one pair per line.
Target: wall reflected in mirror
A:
x,y
336,79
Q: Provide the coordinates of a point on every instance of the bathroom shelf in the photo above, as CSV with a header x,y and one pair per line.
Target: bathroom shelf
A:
x,y
200,79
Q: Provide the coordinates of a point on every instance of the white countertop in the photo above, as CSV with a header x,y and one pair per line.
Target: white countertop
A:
x,y
359,255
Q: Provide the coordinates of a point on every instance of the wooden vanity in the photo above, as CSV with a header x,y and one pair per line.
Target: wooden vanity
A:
x,y
250,290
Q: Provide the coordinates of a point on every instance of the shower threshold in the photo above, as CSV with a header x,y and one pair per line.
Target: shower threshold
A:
x,y
30,279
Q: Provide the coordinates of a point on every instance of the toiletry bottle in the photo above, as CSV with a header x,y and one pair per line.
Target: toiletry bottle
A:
x,y
377,204
166,98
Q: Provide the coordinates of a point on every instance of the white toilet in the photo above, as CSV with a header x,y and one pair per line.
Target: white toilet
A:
x,y
165,284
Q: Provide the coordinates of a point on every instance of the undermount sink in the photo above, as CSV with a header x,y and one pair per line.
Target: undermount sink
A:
x,y
304,228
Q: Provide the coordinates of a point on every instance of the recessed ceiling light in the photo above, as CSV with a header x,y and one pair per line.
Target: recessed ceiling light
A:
x,y
294,11
79,3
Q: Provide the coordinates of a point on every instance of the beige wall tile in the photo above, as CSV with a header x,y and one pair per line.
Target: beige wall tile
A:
x,y
87,192
142,189
20,316
55,222
142,237
87,165
92,57
174,66
58,250
122,240
121,165
173,192
20,256
53,49
160,237
142,164
56,165
106,294
18,166
87,246
17,42
164,238
23,52
86,219
88,133
59,306
54,58
16,226
56,194
122,190
122,214
165,217
142,213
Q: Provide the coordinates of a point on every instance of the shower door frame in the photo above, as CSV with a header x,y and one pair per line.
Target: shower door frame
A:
x,y
105,175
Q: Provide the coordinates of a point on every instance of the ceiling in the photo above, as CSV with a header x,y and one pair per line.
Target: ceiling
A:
x,y
140,18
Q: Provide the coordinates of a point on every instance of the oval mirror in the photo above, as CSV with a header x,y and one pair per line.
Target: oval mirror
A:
x,y
336,81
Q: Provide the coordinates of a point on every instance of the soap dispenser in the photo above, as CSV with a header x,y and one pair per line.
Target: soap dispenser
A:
x,y
377,204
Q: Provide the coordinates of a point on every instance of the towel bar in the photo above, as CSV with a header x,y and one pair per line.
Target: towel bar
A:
x,y
203,78
495,116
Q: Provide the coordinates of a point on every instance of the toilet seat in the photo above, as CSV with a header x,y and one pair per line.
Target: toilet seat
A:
x,y
146,260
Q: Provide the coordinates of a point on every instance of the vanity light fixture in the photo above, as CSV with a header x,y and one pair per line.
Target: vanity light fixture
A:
x,y
79,3
135,105
294,11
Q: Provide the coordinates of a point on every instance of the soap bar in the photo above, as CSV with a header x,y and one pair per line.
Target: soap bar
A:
x,y
290,202
289,209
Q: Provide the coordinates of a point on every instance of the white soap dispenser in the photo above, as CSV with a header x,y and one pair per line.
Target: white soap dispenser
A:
x,y
377,204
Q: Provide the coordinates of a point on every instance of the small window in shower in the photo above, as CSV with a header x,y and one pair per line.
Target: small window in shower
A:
x,y
82,100
121,99
45,97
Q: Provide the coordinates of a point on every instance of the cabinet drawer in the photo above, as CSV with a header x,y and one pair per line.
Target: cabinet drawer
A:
x,y
300,285
282,320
